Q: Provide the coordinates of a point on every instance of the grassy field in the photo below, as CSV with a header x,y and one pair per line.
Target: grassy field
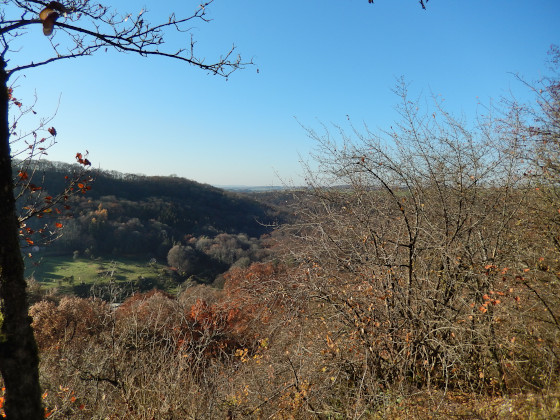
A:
x,y
71,276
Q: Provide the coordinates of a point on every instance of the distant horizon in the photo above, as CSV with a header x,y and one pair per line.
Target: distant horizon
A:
x,y
221,186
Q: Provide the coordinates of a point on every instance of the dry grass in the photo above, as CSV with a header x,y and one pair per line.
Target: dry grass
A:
x,y
451,405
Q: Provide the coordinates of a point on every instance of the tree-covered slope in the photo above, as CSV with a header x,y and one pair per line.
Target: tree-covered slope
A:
x,y
137,215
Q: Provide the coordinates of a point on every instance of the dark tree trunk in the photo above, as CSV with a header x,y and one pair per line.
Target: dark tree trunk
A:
x,y
19,359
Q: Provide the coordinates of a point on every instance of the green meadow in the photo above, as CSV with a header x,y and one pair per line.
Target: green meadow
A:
x,y
70,276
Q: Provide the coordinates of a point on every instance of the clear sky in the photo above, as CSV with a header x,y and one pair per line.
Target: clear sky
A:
x,y
318,61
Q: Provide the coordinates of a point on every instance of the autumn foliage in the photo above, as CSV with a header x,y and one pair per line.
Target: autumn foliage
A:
x,y
41,212
416,281
151,342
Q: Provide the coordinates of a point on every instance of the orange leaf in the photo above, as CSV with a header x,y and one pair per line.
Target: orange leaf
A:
x,y
58,225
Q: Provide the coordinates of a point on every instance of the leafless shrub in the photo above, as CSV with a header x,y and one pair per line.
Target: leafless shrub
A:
x,y
415,244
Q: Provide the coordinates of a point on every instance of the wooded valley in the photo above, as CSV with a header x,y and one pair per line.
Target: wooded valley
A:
x,y
410,271
418,280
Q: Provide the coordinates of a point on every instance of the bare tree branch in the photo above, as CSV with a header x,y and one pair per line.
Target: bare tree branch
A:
x,y
89,27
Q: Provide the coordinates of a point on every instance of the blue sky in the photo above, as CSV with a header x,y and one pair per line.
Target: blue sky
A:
x,y
319,61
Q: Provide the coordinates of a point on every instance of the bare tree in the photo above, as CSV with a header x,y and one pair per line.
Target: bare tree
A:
x,y
78,28
404,234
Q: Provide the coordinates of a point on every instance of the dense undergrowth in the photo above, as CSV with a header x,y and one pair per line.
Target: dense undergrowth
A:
x,y
263,347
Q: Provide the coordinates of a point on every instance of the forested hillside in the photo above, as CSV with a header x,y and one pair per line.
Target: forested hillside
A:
x,y
176,205
196,229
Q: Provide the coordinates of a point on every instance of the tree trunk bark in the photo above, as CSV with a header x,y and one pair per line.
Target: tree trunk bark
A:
x,y
19,358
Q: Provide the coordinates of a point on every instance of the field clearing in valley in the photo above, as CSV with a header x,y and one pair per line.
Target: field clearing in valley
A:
x,y
66,273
